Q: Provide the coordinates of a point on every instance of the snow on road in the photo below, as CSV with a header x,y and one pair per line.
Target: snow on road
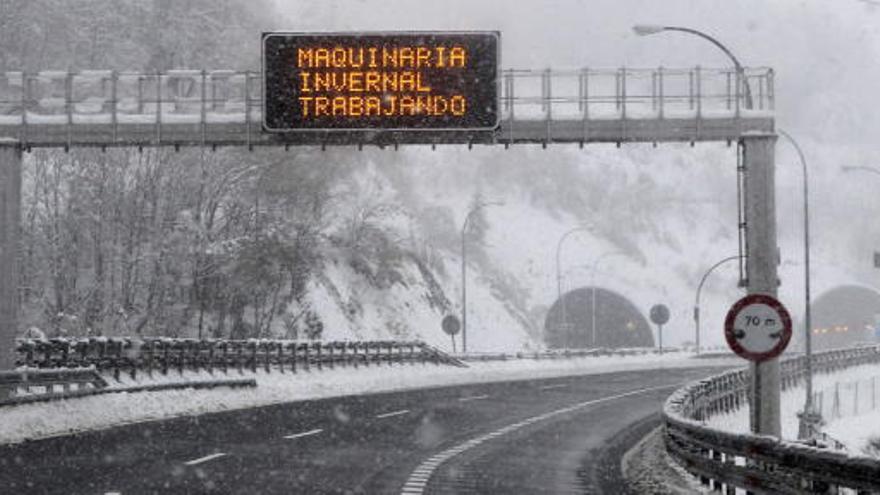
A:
x,y
40,420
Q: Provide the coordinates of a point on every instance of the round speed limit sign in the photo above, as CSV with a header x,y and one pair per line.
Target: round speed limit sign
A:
x,y
757,327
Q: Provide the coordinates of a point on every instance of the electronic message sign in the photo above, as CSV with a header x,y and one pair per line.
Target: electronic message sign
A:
x,y
380,81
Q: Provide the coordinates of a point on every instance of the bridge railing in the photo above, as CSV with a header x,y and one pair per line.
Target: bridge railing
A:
x,y
762,464
111,98
120,355
635,93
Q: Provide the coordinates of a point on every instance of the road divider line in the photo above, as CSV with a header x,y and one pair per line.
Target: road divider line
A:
x,y
392,414
473,397
548,387
416,482
204,459
304,434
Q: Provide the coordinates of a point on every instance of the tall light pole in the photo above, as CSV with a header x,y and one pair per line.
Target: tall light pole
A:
x,y
809,418
464,227
649,29
558,273
697,299
759,209
593,292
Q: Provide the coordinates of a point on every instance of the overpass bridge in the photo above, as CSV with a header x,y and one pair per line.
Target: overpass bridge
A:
x,y
224,107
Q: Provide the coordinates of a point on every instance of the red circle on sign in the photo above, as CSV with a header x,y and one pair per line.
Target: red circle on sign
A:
x,y
730,331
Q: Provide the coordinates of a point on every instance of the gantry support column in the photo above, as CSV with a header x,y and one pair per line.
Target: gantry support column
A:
x,y
762,261
10,242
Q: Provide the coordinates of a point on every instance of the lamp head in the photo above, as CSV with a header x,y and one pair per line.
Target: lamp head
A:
x,y
647,29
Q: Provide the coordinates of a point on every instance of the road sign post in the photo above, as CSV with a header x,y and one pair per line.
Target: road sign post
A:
x,y
451,325
762,258
660,315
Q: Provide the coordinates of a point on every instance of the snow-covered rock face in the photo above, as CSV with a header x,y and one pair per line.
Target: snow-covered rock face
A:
x,y
655,218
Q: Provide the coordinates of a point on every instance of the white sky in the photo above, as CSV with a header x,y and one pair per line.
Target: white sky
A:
x,y
825,52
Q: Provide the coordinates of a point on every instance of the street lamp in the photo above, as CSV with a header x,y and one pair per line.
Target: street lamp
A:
x,y
649,29
697,299
593,291
558,275
808,417
464,227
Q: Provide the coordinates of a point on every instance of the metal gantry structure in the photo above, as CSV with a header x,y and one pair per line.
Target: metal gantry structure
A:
x,y
214,108
225,107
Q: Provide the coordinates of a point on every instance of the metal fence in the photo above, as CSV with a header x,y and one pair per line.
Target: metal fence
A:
x,y
762,464
848,398
117,356
109,104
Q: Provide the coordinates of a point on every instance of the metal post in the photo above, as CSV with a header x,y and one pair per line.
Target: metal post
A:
x,y
464,288
760,210
593,293
808,415
10,238
697,299
559,273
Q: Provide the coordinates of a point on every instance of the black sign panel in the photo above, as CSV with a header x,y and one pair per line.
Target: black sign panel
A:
x,y
400,81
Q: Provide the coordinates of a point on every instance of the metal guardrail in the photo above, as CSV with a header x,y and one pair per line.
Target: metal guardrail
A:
x,y
563,353
16,384
217,107
20,387
762,464
120,355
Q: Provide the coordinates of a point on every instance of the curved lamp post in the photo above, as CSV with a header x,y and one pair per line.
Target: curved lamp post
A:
x,y
697,299
558,274
649,29
809,418
464,227
593,291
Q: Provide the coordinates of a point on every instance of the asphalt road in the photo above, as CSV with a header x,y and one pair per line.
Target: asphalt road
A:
x,y
562,435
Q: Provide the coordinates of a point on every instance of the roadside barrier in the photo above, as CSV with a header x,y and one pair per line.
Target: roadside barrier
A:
x,y
565,353
756,463
122,355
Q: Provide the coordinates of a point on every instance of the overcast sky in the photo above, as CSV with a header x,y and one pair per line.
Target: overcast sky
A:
x,y
824,51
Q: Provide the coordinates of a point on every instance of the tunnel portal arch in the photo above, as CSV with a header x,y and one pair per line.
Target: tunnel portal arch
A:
x,y
619,323
842,316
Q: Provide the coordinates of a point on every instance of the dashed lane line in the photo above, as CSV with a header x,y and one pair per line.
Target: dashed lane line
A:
x,y
417,482
304,434
204,459
392,414
549,387
472,397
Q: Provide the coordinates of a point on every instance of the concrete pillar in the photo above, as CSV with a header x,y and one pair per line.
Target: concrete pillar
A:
x,y
10,241
760,216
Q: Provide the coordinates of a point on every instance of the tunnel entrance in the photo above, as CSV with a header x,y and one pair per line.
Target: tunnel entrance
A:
x,y
841,317
619,323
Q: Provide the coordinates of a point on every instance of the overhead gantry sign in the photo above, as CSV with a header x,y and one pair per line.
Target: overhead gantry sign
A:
x,y
410,81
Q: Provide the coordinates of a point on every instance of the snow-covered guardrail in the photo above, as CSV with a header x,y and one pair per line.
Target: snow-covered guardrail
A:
x,y
117,355
76,380
563,353
762,464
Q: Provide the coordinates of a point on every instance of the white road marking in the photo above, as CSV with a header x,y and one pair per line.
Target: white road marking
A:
x,y
416,483
304,434
473,397
548,387
393,413
204,459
